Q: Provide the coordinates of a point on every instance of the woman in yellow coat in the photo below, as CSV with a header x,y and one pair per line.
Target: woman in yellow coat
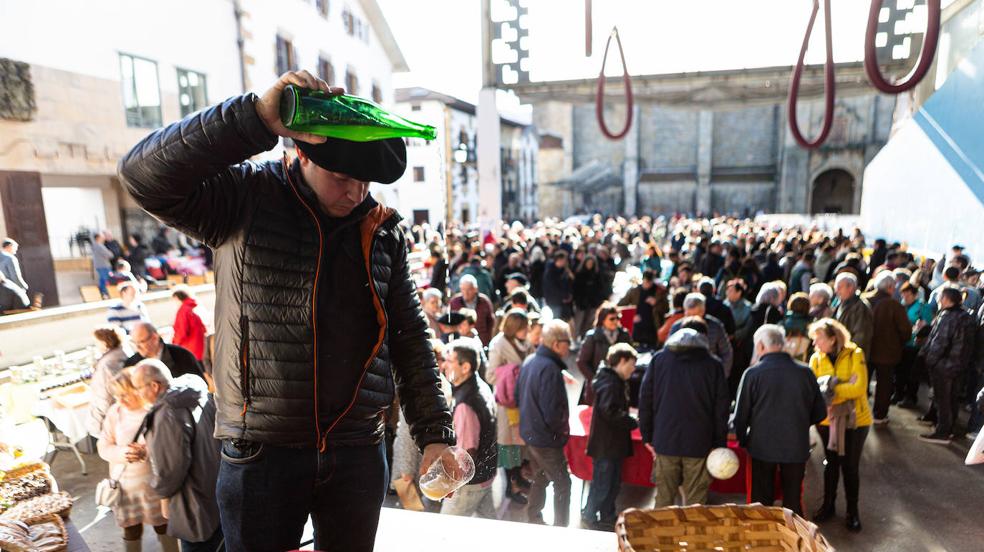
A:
x,y
848,415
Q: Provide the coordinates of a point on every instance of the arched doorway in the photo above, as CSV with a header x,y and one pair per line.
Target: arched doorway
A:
x,y
833,192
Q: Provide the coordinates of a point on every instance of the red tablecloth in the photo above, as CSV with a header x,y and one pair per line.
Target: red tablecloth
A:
x,y
627,317
638,468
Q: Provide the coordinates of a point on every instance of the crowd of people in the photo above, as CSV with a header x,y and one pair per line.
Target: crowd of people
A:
x,y
756,329
112,263
332,366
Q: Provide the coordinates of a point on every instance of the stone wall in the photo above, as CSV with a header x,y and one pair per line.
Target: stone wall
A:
x,y
667,197
79,126
745,137
667,138
726,159
590,144
743,198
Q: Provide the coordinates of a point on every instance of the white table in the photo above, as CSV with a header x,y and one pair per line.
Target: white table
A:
x,y
69,422
404,531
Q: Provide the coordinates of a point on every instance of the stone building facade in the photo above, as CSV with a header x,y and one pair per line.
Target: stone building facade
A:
x,y
78,90
422,193
709,142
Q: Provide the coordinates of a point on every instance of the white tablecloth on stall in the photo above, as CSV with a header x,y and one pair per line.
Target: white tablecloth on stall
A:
x,y
70,421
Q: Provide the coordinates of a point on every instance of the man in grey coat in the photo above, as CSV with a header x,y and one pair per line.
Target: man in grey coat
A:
x,y
717,336
183,454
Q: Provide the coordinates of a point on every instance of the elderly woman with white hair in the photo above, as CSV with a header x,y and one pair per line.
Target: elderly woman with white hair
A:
x,y
431,305
470,298
890,331
821,295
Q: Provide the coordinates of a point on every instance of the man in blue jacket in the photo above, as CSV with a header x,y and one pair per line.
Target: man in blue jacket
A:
x,y
543,421
683,413
778,401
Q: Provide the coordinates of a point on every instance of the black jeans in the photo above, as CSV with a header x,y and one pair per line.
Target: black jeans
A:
x,y
215,543
764,483
266,493
946,399
848,464
884,387
606,480
907,375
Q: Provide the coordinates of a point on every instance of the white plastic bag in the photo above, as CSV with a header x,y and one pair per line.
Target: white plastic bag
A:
x,y
976,453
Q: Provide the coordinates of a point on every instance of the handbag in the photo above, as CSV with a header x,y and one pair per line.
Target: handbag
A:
x,y
108,491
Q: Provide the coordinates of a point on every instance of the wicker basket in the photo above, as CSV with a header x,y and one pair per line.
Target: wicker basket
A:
x,y
35,509
727,528
48,534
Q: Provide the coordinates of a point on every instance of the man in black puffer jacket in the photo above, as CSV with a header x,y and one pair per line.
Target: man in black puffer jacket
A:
x,y
316,316
947,353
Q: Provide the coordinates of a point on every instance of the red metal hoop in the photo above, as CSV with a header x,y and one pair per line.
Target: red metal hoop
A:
x,y
828,83
587,28
930,42
600,96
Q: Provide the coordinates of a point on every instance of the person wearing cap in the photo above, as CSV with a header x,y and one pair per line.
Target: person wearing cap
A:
x,y
317,318
450,325
508,270
514,281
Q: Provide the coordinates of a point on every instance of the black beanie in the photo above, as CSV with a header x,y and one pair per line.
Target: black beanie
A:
x,y
381,161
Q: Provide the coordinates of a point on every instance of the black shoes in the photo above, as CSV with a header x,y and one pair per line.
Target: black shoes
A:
x,y
908,404
853,523
935,438
824,513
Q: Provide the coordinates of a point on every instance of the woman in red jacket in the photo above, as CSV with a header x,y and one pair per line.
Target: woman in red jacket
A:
x,y
189,330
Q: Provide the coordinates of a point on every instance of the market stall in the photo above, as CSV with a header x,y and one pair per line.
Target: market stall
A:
x,y
34,514
56,391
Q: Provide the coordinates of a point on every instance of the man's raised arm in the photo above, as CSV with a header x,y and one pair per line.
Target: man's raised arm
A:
x,y
192,174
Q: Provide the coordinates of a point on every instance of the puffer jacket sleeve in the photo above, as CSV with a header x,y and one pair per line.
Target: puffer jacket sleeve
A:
x,y
192,175
414,363
939,340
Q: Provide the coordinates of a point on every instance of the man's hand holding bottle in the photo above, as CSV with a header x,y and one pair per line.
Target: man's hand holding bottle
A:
x,y
268,106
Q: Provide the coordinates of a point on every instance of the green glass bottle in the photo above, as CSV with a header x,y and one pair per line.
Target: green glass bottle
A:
x,y
346,117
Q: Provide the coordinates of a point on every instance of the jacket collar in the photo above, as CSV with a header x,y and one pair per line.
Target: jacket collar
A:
x,y
466,386
779,355
547,352
687,339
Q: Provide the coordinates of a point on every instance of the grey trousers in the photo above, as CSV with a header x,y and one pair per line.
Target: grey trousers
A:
x,y
549,466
